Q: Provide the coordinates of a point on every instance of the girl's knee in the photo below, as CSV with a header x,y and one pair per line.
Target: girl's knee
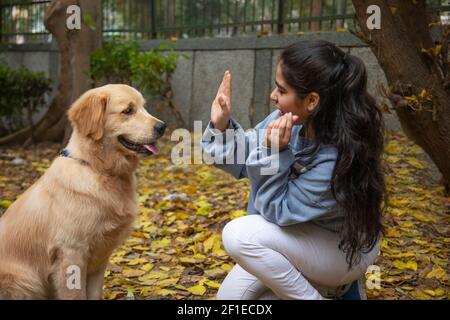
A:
x,y
237,235
232,236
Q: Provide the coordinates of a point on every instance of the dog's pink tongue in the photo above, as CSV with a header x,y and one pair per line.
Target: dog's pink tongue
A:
x,y
152,148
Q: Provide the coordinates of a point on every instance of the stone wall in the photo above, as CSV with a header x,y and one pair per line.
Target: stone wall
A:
x,y
251,60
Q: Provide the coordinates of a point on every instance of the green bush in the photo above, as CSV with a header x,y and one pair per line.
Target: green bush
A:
x,y
112,62
152,71
120,61
22,93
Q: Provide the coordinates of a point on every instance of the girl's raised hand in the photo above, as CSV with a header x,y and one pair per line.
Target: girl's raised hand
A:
x,y
221,106
279,131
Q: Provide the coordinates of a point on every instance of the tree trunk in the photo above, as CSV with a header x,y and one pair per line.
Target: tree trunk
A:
x,y
316,10
419,91
75,47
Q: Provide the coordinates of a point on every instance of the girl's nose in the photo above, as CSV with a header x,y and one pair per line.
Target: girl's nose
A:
x,y
273,96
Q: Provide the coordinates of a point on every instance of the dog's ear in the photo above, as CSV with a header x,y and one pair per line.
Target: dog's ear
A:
x,y
87,114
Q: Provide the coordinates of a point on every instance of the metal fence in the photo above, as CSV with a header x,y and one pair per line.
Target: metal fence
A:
x,y
185,19
22,21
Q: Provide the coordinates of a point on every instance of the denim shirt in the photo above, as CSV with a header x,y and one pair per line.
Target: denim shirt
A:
x,y
299,190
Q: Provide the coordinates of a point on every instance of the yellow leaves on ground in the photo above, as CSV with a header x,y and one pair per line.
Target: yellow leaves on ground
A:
x,y
147,267
414,250
428,294
40,167
5,203
237,214
175,250
227,267
203,207
141,248
411,265
415,163
212,284
182,210
136,261
131,273
156,275
437,273
214,245
198,290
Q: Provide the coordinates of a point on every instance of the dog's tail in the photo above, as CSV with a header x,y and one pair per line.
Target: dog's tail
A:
x,y
19,282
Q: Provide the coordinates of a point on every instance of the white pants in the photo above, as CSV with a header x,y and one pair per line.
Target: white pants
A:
x,y
294,262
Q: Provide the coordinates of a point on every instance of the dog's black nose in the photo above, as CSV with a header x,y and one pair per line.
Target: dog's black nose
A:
x,y
160,128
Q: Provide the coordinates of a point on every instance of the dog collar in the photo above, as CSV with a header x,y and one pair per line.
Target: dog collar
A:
x,y
65,153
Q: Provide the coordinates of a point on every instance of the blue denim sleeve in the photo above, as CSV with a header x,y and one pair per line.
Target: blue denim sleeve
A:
x,y
229,149
285,201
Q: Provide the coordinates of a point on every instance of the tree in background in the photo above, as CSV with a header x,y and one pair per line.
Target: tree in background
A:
x,y
418,72
75,47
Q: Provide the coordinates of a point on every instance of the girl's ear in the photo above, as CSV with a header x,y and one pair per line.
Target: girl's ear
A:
x,y
312,99
87,114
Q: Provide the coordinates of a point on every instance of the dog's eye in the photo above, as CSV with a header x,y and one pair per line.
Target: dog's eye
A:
x,y
128,111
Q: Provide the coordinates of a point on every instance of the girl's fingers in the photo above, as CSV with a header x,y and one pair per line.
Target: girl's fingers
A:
x,y
222,102
268,136
288,130
276,123
289,122
269,132
225,86
279,131
282,127
222,84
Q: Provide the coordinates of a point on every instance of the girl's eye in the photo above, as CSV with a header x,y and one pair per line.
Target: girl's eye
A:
x,y
128,111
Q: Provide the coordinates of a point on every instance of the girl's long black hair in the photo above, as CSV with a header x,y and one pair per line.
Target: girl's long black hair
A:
x,y
348,118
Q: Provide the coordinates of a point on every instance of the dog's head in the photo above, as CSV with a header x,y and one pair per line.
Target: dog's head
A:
x,y
115,115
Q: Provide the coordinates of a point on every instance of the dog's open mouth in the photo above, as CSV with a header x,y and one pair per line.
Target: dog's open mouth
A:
x,y
149,148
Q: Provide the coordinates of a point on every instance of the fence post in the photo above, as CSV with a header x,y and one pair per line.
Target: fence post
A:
x,y
316,11
340,10
152,20
169,18
1,24
280,27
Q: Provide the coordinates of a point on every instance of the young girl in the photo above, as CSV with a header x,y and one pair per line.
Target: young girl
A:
x,y
313,226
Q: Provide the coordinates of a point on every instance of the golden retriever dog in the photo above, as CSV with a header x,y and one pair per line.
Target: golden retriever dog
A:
x,y
67,223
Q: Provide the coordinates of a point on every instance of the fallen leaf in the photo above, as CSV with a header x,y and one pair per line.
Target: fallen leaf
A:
x,y
197,290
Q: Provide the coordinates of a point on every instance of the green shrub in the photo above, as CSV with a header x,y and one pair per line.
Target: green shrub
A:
x,y
22,92
112,62
120,61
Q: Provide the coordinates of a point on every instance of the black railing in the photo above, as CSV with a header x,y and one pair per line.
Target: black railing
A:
x,y
22,21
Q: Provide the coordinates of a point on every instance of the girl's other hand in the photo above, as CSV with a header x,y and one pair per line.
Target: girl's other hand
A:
x,y
221,106
279,131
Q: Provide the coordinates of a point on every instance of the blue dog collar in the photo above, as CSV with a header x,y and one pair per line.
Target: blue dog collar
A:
x,y
65,153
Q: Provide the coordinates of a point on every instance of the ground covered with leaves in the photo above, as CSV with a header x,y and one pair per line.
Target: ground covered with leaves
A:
x,y
175,250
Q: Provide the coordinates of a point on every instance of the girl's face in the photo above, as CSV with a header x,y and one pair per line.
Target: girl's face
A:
x,y
286,99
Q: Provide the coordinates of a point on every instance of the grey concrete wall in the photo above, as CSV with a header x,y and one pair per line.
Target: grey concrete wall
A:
x,y
35,57
251,60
